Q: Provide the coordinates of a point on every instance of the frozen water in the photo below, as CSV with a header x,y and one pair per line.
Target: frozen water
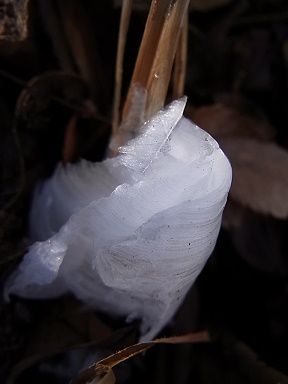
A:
x,y
128,236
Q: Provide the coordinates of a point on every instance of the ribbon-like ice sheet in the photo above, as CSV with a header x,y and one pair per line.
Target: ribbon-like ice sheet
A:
x,y
128,236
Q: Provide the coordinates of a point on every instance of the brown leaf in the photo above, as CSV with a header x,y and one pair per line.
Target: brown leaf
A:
x,y
247,229
260,175
13,19
233,215
222,120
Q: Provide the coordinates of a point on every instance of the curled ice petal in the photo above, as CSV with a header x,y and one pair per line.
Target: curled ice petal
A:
x,y
130,235
140,152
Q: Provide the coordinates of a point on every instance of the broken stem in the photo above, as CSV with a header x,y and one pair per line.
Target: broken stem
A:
x,y
152,72
156,55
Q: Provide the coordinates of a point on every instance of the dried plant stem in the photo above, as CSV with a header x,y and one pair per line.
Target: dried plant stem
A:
x,y
156,55
124,24
103,368
180,64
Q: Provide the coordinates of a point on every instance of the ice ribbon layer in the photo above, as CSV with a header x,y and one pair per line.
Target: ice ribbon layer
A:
x,y
128,236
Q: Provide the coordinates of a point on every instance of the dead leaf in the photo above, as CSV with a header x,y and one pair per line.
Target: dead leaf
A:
x,y
221,120
13,20
233,215
259,240
260,175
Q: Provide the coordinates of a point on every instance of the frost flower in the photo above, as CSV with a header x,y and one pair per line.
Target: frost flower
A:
x,y
128,236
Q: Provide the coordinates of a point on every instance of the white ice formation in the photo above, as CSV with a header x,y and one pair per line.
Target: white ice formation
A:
x,y
128,236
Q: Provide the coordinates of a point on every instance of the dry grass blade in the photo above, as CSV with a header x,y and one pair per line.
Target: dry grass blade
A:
x,y
157,51
153,68
124,24
180,64
95,373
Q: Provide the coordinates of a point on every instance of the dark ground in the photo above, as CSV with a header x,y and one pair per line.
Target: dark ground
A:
x,y
237,84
